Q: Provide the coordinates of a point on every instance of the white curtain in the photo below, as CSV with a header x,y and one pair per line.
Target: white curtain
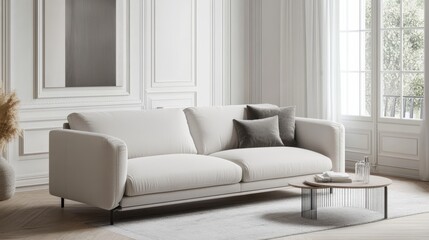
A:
x,y
322,70
310,44
424,168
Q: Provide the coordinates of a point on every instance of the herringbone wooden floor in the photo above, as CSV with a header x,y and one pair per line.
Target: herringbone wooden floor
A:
x,y
37,215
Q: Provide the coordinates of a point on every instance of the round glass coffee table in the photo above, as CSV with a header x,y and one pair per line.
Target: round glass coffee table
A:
x,y
372,195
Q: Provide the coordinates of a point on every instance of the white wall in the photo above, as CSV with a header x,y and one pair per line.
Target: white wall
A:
x,y
227,52
181,53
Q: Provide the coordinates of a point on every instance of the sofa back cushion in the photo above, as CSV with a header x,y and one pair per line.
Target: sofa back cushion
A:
x,y
146,133
212,127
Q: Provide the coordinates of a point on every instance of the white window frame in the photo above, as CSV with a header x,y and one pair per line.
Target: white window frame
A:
x,y
376,96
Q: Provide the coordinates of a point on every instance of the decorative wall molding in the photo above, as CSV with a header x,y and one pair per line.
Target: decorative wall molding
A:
x,y
171,100
32,180
218,52
205,75
399,145
398,162
35,141
400,172
43,110
191,79
123,90
359,140
388,170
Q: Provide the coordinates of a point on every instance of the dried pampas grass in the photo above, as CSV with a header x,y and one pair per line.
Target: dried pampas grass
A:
x,y
9,127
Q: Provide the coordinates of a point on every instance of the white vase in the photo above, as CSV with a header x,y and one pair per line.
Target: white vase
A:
x,y
7,180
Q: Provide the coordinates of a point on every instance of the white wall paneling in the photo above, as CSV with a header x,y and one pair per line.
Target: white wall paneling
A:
x,y
210,56
400,172
180,47
35,141
51,30
174,45
394,144
399,152
218,53
171,54
359,137
402,163
359,140
44,109
205,52
171,100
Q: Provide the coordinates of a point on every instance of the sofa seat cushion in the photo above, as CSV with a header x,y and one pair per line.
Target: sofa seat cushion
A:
x,y
173,172
276,162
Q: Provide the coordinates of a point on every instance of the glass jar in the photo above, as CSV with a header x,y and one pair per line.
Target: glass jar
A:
x,y
359,174
363,170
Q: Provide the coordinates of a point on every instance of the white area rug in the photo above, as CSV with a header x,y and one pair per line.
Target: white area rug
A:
x,y
260,216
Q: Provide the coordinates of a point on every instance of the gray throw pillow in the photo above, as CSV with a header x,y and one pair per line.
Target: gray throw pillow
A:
x,y
286,120
258,133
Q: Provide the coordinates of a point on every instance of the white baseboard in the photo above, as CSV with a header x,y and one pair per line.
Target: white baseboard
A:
x,y
38,180
32,188
387,170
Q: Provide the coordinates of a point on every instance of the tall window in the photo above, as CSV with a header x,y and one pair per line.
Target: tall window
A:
x,y
356,56
382,44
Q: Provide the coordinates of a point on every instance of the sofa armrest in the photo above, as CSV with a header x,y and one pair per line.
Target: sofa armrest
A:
x,y
322,136
87,167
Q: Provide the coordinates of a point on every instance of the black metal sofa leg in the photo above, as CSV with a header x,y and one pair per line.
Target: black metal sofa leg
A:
x,y
112,214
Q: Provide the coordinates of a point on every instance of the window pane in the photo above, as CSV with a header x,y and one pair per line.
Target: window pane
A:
x,y
353,51
413,13
366,51
391,14
349,14
343,51
349,44
352,14
367,13
343,15
350,93
413,95
391,95
367,94
391,43
413,54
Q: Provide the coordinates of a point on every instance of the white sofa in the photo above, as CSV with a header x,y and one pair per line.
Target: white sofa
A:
x,y
126,160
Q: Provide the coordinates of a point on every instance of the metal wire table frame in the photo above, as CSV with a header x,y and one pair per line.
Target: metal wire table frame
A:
x,y
372,196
